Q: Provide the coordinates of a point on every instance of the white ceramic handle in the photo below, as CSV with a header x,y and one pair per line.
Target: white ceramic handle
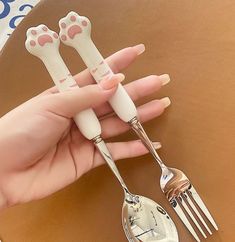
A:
x,y
44,43
75,31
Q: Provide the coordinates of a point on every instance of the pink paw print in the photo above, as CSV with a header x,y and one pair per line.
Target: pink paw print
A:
x,y
74,27
40,38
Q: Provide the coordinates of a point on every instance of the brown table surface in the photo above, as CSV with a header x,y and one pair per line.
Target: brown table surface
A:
x,y
193,41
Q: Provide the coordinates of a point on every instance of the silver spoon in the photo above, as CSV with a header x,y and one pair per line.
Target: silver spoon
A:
x,y
142,218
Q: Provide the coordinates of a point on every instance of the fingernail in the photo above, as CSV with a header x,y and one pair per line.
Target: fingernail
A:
x,y
111,81
139,48
165,78
157,145
166,101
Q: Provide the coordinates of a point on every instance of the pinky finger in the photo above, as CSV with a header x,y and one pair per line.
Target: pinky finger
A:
x,y
122,150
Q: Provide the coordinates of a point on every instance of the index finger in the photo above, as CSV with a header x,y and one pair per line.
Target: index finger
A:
x,y
117,62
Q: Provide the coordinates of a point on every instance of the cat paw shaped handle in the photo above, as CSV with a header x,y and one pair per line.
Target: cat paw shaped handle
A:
x,y
75,32
41,41
44,44
74,28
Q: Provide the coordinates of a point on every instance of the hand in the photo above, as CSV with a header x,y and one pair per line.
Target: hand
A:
x,y
41,148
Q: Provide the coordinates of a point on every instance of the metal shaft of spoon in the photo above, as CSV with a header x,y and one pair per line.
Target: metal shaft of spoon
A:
x,y
101,146
139,130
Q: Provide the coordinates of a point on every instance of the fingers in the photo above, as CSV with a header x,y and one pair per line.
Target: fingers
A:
x,y
122,150
146,86
68,104
138,89
112,126
117,62
49,91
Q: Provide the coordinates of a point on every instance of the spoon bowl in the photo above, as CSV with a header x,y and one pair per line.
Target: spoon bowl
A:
x,y
145,220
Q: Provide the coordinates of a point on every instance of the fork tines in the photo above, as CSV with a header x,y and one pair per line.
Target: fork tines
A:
x,y
185,203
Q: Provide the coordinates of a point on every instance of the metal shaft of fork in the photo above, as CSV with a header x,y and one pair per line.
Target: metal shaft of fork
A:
x,y
139,130
101,146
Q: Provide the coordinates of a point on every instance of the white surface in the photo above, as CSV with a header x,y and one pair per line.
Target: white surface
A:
x,y
12,13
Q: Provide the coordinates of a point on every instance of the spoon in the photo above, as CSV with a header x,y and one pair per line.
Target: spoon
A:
x,y
142,218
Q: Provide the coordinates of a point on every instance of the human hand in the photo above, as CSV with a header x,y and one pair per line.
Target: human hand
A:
x,y
42,150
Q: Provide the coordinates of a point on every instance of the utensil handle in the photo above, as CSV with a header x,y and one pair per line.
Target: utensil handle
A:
x,y
86,120
101,146
98,67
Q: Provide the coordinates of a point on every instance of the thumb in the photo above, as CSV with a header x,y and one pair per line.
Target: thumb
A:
x,y
69,103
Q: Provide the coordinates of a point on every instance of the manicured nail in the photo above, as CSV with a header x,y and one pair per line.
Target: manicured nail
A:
x,y
139,48
157,145
111,81
166,101
165,78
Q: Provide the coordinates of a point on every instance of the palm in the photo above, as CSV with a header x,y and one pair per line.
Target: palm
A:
x,y
71,156
62,148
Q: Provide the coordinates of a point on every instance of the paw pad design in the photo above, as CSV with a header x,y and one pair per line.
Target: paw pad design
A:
x,y
73,26
38,38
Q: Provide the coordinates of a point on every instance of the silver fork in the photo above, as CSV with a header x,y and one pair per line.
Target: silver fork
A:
x,y
75,31
178,189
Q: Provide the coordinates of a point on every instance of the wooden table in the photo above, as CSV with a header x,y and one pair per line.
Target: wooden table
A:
x,y
193,41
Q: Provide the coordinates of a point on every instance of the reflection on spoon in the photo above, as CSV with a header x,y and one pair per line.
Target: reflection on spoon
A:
x,y
142,218
145,221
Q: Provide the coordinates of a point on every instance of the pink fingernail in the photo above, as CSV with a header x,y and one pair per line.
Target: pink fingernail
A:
x,y
166,101
111,81
139,48
157,145
165,78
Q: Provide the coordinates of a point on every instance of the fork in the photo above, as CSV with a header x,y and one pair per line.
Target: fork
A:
x,y
178,189
75,32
